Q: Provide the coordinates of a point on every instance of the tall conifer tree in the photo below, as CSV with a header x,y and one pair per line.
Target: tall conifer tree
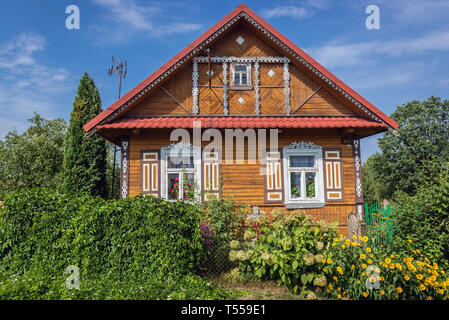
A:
x,y
84,167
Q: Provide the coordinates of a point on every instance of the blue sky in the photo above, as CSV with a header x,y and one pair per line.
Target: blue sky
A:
x,y
41,61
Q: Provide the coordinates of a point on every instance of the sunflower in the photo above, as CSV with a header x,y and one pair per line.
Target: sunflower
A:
x,y
368,249
365,294
422,287
362,256
382,292
399,289
387,260
419,276
406,277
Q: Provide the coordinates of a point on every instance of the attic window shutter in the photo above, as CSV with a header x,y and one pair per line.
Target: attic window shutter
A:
x,y
211,175
150,172
333,178
273,177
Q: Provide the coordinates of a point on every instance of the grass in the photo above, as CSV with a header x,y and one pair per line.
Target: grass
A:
x,y
256,290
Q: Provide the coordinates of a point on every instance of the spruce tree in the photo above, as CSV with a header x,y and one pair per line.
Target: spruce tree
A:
x,y
84,166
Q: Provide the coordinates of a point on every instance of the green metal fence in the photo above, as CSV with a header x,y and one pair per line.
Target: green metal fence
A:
x,y
380,223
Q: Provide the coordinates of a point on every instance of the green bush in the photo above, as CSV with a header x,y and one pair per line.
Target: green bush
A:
x,y
123,245
286,249
222,220
424,218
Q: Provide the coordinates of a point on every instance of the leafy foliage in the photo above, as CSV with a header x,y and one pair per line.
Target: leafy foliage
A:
x,y
131,248
354,270
424,218
286,249
422,139
34,158
84,166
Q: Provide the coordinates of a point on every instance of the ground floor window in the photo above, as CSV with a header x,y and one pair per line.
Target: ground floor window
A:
x,y
303,175
181,170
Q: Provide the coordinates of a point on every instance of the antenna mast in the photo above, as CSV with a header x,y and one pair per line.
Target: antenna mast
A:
x,y
119,68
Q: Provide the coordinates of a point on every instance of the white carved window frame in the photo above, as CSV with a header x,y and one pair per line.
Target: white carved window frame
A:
x,y
187,150
304,149
248,85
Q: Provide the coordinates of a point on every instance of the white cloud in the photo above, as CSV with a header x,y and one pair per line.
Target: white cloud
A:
x,y
141,17
286,11
26,84
343,55
418,11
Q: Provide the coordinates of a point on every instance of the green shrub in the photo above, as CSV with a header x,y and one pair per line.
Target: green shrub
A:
x,y
131,248
222,220
286,249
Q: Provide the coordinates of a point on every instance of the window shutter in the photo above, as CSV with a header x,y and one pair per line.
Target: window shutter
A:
x,y
150,173
273,177
211,175
333,178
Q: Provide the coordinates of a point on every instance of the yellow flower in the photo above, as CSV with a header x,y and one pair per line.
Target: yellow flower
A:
x,y
410,240
422,287
399,289
396,295
358,281
370,261
343,246
329,260
419,276
353,266
354,237
339,296
363,265
335,278
382,292
365,294
387,260
348,242
365,239
398,266
391,266
368,250
338,288
429,298
372,279
362,256
407,277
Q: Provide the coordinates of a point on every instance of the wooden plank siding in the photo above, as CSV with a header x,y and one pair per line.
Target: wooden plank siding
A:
x,y
244,182
302,85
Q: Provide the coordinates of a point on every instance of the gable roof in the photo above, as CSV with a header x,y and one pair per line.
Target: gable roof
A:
x,y
242,11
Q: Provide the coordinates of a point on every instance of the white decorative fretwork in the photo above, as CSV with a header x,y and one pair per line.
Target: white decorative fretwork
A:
x,y
225,88
124,168
226,61
358,170
241,100
270,73
195,90
256,87
287,88
302,145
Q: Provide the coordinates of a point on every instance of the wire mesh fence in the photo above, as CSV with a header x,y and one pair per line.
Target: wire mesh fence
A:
x,y
216,261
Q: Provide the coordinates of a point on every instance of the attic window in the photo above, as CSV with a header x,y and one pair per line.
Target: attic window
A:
x,y
241,76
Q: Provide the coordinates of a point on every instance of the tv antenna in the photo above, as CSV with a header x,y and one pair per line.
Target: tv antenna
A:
x,y
118,68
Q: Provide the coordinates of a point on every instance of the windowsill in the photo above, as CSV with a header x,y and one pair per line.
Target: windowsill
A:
x,y
304,205
241,88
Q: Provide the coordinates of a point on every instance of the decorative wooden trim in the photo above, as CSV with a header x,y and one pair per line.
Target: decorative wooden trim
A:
x,y
211,168
333,162
211,38
358,176
149,168
274,177
124,167
227,63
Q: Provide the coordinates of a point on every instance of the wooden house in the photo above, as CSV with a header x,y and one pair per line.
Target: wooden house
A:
x,y
242,76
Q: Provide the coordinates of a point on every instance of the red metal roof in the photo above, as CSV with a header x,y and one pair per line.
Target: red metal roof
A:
x,y
241,8
243,122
